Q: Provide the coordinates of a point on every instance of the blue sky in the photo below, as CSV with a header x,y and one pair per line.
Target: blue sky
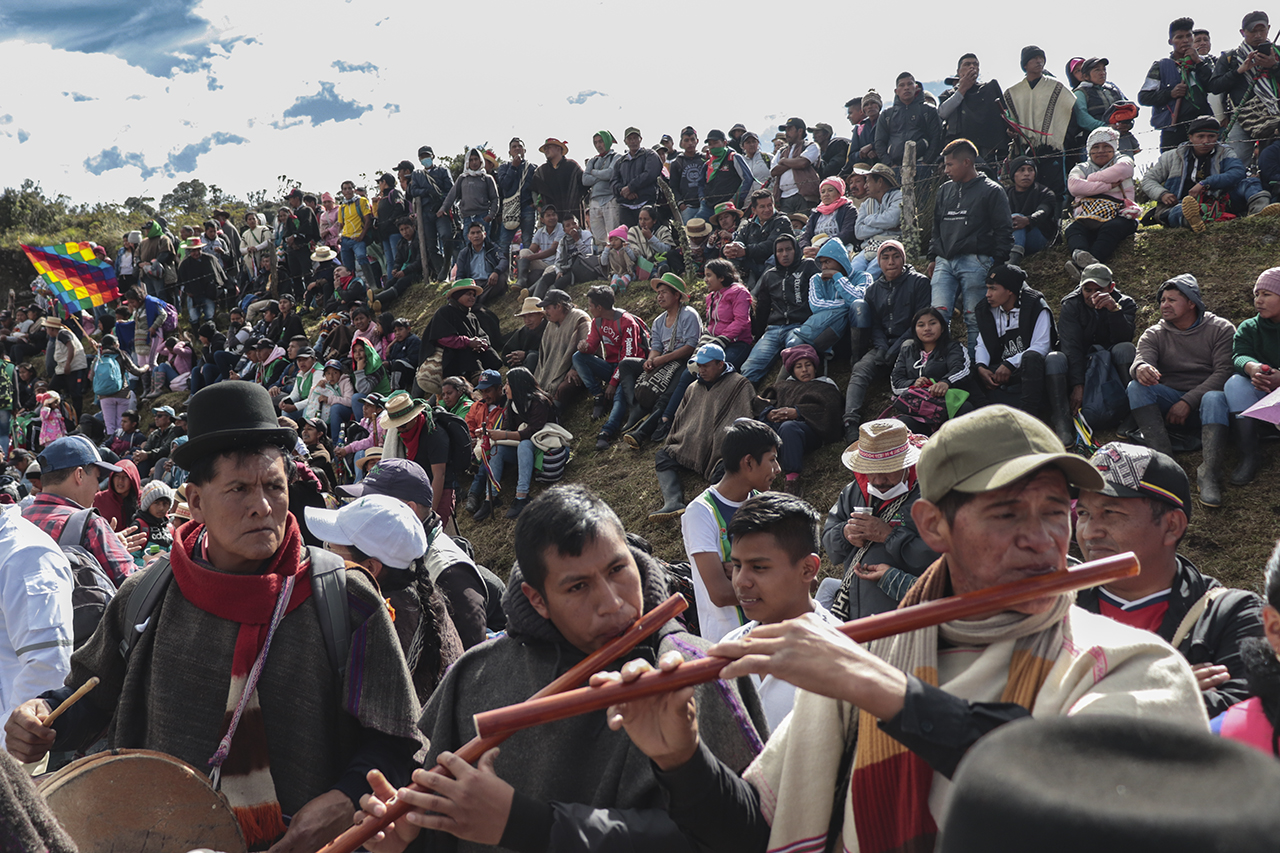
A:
x,y
119,98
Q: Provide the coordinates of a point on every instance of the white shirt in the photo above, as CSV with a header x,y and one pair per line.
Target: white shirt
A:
x,y
787,181
701,534
1006,320
777,696
35,612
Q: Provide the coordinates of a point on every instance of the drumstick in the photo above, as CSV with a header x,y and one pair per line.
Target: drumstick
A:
x,y
70,700
536,711
649,622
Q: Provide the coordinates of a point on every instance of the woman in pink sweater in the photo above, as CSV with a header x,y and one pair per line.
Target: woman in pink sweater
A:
x,y
729,310
1103,210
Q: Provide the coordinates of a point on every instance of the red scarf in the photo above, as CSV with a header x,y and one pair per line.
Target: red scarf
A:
x,y
249,600
410,437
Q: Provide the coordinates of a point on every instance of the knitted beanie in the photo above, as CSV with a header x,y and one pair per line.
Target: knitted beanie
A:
x,y
1030,52
152,492
1269,280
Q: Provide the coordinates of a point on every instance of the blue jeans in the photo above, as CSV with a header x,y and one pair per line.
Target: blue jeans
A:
x,y
523,457
200,308
1030,238
338,414
389,247
765,350
735,354
1213,405
965,274
798,438
352,252
1237,198
862,265
594,370
835,319
1241,394
507,235
167,370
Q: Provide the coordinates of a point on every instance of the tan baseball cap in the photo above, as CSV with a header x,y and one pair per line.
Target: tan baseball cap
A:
x,y
993,447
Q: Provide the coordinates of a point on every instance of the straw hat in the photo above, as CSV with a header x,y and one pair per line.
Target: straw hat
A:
x,y
461,285
672,281
52,323
323,254
399,409
530,306
880,170
697,227
882,448
551,140
371,456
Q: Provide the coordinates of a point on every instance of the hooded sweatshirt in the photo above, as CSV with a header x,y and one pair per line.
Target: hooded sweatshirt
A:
x,y
1195,360
782,294
1037,203
374,377
838,291
476,193
109,504
566,774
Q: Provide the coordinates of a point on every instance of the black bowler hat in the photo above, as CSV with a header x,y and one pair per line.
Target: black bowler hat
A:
x,y
1107,784
231,415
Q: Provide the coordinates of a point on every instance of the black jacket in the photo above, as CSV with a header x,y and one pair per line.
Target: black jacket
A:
x,y
199,276
972,219
639,174
1229,620
835,159
1038,204
979,119
894,305
917,121
1080,327
1030,304
1227,79
758,237
782,295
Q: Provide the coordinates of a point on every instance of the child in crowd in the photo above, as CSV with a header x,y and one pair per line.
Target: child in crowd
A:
x,y
373,404
152,517
1121,115
53,425
621,259
775,559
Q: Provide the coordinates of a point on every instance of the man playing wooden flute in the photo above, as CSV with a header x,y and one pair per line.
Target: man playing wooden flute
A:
x,y
878,730
575,785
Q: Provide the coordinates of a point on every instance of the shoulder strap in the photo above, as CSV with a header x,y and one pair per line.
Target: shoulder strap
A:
x,y
329,586
73,530
1193,615
142,603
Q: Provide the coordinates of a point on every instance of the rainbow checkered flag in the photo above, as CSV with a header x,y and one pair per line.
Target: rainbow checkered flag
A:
x,y
79,279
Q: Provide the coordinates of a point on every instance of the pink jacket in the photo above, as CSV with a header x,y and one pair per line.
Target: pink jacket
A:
x,y
729,313
1114,181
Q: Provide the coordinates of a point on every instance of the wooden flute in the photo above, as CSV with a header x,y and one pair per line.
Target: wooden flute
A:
x,y
357,835
513,718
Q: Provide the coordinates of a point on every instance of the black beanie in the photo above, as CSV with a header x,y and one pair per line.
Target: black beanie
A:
x,y
1030,52
1008,276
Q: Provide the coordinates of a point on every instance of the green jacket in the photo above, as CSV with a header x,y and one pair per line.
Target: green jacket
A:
x,y
1258,340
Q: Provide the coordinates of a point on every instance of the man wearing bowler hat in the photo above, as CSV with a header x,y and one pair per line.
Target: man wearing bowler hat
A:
x,y
884,725
254,641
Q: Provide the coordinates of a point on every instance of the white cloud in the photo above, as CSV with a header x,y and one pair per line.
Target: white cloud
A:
x,y
254,61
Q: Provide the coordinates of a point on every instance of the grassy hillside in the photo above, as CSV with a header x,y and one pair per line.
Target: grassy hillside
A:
x,y
1231,543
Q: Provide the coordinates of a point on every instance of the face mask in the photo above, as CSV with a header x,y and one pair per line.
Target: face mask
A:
x,y
426,162
718,152
899,489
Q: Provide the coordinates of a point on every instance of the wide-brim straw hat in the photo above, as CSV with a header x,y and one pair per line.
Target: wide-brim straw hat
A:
x,y
698,227
322,254
551,140
52,323
461,285
882,447
371,456
880,170
399,409
672,281
530,306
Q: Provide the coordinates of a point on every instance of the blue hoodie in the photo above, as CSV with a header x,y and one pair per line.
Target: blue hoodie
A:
x,y
837,291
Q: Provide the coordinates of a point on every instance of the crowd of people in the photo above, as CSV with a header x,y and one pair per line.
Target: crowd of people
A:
x,y
304,486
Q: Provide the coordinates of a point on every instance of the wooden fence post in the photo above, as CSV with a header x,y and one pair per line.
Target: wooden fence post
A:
x,y
910,231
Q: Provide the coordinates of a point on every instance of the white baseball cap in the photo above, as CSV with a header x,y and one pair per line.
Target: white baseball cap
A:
x,y
380,526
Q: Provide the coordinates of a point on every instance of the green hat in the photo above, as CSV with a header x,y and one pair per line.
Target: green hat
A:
x,y
727,207
461,285
991,448
672,281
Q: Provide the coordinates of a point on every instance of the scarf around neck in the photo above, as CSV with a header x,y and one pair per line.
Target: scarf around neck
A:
x,y
249,600
886,804
828,209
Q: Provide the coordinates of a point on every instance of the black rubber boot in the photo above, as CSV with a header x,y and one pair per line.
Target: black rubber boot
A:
x,y
1209,474
1151,422
1246,440
1060,409
672,495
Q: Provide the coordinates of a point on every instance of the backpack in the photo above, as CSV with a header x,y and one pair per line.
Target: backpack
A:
x,y
1105,402
459,439
170,318
91,589
108,379
328,586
